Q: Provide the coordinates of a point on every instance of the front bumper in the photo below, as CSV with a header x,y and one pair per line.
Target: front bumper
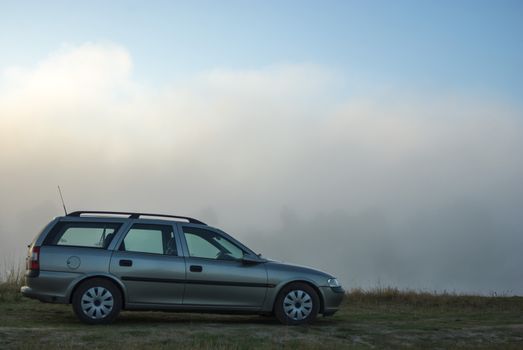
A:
x,y
333,296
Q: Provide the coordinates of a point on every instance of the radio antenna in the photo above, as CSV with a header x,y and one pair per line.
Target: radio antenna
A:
x,y
62,198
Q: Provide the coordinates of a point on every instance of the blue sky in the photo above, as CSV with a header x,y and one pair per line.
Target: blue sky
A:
x,y
475,46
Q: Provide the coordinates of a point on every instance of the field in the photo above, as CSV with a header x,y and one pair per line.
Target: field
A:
x,y
380,318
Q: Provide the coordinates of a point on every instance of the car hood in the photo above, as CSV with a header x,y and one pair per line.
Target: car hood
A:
x,y
273,265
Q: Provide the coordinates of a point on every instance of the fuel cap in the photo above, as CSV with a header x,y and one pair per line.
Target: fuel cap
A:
x,y
73,262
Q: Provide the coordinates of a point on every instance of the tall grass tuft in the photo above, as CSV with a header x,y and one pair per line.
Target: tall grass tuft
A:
x,y
420,298
11,279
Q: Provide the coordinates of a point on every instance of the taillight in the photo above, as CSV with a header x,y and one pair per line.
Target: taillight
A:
x,y
34,259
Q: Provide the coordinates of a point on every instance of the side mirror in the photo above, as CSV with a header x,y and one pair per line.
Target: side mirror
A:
x,y
251,259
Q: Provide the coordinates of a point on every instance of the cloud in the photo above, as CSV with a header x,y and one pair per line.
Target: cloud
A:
x,y
408,188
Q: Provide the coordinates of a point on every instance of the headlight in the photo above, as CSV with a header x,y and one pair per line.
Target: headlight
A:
x,y
333,282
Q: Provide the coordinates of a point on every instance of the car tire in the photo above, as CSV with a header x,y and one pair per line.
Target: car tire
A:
x,y
297,303
97,301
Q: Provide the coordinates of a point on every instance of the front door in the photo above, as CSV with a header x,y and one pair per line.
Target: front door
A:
x,y
216,275
149,263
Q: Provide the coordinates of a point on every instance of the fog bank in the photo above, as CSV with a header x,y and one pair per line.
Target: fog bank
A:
x,y
410,189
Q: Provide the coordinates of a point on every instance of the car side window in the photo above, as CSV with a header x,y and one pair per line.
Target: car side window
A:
x,y
210,245
82,234
153,239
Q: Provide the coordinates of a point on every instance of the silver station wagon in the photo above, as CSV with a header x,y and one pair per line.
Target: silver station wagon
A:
x,y
103,262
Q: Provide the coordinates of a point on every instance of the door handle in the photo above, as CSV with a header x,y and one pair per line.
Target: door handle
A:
x,y
196,268
126,263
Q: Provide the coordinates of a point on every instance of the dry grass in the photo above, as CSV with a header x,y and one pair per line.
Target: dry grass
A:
x,y
416,298
11,279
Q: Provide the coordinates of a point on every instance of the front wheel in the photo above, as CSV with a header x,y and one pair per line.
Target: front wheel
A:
x,y
297,303
97,301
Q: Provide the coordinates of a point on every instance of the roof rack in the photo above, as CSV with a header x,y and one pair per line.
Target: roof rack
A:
x,y
133,215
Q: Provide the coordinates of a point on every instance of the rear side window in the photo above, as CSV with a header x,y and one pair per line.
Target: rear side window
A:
x,y
82,234
152,239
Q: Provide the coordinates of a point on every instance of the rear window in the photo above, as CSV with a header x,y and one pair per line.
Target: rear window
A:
x,y
82,234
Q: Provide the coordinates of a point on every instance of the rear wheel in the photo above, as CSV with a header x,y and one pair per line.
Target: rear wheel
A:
x,y
297,303
97,301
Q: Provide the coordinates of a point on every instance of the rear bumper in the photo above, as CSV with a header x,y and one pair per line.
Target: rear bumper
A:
x,y
48,286
28,292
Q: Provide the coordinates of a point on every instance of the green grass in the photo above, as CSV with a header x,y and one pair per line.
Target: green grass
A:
x,y
375,319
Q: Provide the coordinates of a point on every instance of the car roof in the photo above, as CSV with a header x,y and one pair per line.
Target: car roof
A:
x,y
130,215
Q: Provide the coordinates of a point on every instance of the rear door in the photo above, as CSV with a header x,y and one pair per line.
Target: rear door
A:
x,y
148,261
216,275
